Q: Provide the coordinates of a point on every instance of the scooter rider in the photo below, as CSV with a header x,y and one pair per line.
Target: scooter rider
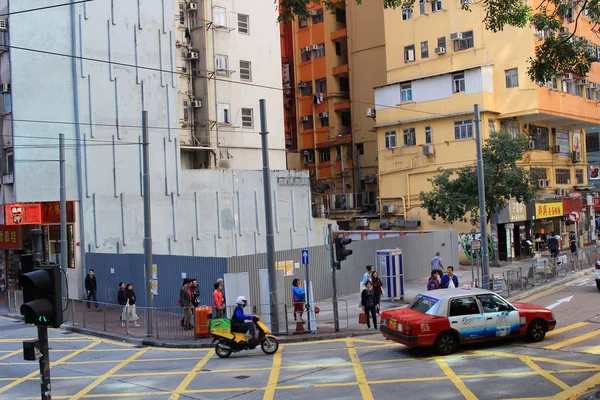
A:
x,y
238,319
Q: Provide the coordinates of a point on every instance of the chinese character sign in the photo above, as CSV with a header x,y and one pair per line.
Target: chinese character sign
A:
x,y
516,211
23,214
548,210
10,237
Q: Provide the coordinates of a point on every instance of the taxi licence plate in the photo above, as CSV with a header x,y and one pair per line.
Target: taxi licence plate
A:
x,y
393,324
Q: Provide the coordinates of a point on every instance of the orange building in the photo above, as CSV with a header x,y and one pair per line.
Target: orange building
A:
x,y
338,58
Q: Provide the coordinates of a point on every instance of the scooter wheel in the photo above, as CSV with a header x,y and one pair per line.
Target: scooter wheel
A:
x,y
269,345
222,350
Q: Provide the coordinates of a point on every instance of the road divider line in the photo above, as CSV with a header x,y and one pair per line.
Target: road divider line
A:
x,y
190,376
541,294
579,389
363,385
9,355
577,339
567,328
542,372
460,385
535,358
274,376
102,378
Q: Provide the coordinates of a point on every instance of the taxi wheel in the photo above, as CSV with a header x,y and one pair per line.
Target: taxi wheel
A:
x,y
536,331
446,343
598,284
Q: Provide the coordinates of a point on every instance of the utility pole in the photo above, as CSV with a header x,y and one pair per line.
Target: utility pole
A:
x,y
269,216
147,223
64,255
481,187
336,319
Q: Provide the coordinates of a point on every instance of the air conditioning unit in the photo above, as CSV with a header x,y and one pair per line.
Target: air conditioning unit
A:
x,y
305,118
197,103
313,12
316,47
568,77
531,144
465,2
585,81
440,50
384,224
324,114
192,6
547,182
193,55
5,87
301,84
593,85
371,112
370,178
307,48
3,24
576,156
563,31
542,183
362,223
428,150
456,36
388,209
559,192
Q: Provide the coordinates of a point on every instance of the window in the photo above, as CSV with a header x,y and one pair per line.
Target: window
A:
x,y
563,176
321,85
442,42
307,88
309,156
492,125
436,5
407,13
245,70
219,17
579,176
243,23
305,54
195,65
7,103
222,64
360,149
346,120
324,155
308,124
511,127
458,82
562,141
424,50
194,22
10,161
422,7
463,129
463,306
247,118
409,53
410,138
320,51
317,18
578,90
465,43
597,95
512,78
390,140
324,122
405,92
592,143
539,137
493,304
339,153
589,93
224,117
338,48
186,110
302,23
340,15
424,304
363,185
344,84
182,11
428,139
539,173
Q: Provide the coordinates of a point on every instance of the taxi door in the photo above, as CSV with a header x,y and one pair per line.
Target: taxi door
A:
x,y
465,316
501,319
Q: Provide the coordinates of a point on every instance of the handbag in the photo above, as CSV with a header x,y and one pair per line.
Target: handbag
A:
x,y
362,318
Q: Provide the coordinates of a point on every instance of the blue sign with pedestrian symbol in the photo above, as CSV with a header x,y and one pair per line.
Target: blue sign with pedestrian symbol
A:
x,y
305,256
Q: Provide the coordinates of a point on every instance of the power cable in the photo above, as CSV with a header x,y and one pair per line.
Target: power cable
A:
x,y
43,8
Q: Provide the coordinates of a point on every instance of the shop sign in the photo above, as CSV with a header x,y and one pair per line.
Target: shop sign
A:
x,y
548,210
509,226
516,211
23,214
10,237
572,204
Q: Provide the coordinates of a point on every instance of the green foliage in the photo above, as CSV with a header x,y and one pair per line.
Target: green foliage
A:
x,y
555,55
454,196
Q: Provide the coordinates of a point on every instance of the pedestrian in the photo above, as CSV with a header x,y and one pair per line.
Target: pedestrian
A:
x,y
449,281
366,277
218,302
222,289
195,289
91,288
368,304
553,245
130,312
433,282
185,300
436,264
573,242
377,288
121,300
298,299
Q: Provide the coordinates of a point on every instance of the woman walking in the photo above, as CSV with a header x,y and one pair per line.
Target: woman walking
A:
x,y
368,304
130,313
433,283
377,289
218,302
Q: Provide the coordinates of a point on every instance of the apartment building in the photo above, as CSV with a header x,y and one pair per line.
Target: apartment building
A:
x,y
286,32
228,57
440,62
339,57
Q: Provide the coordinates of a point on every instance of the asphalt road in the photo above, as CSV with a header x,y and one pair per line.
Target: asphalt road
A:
x,y
564,366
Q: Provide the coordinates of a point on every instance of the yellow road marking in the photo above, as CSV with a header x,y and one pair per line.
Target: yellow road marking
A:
x,y
363,385
18,340
580,388
315,342
57,362
380,342
541,294
535,358
574,340
544,373
91,386
9,355
567,328
462,388
274,376
190,376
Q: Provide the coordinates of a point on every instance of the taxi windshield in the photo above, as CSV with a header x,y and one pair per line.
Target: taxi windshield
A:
x,y
424,304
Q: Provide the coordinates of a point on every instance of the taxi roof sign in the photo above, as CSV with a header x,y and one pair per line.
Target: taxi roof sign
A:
x,y
467,287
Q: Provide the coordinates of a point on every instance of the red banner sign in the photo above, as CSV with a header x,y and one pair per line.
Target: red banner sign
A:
x,y
596,203
23,214
10,237
572,204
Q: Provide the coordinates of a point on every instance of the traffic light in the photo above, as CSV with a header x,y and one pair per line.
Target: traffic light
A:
x,y
340,248
42,296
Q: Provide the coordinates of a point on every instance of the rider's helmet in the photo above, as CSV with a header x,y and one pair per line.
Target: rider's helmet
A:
x,y
241,300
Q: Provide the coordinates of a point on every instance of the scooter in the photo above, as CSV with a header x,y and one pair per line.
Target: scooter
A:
x,y
233,342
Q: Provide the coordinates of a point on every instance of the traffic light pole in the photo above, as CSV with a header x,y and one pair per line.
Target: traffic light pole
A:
x,y
147,223
63,212
336,319
44,360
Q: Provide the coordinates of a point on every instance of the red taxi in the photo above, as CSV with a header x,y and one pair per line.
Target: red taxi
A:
x,y
448,317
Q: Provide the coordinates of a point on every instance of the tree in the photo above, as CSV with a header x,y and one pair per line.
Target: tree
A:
x,y
558,51
454,196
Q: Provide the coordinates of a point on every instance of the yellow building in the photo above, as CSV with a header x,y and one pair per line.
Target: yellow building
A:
x,y
440,62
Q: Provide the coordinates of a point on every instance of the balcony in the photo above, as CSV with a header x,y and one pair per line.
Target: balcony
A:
x,y
342,106
340,69
560,108
339,34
